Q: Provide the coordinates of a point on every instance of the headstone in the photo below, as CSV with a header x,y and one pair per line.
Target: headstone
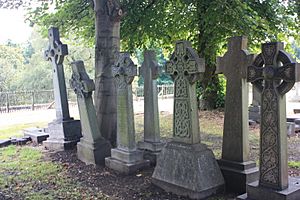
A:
x,y
125,158
273,74
151,144
185,166
92,148
64,131
254,108
37,135
236,167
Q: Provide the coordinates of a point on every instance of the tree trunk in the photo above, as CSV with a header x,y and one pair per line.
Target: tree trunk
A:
x,y
107,23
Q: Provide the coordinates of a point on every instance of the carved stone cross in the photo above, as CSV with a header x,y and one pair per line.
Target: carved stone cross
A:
x,y
124,72
185,67
273,74
55,53
234,66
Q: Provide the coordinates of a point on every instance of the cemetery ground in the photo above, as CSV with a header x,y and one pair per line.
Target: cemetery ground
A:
x,y
31,172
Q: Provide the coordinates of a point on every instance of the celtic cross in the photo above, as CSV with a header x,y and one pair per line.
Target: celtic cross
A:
x,y
55,53
273,74
234,66
185,67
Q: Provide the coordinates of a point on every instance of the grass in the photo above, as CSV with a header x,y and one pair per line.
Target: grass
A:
x,y
294,164
23,171
16,130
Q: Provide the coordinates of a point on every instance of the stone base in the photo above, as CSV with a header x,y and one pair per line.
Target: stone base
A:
x,y
151,150
254,113
63,135
255,192
126,162
37,135
238,174
93,153
188,170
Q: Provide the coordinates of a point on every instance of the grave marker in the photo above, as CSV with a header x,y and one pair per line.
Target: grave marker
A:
x,y
125,158
64,131
273,74
92,148
185,166
235,165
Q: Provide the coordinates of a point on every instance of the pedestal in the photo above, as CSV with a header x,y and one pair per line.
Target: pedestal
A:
x,y
238,174
126,162
63,135
151,150
256,192
188,170
93,153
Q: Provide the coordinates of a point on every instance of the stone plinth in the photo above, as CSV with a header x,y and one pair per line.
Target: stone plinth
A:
x,y
125,158
185,166
92,148
235,164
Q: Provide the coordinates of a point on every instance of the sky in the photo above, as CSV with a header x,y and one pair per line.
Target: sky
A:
x,y
13,26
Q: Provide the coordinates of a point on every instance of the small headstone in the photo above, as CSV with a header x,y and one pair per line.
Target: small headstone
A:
x,y
5,143
125,158
273,74
254,108
185,166
64,131
92,148
290,129
37,135
151,144
236,167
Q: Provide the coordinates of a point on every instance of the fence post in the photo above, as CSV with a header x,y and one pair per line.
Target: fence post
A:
x,y
32,103
7,102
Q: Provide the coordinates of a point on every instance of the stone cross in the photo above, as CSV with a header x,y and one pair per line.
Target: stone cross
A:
x,y
235,149
92,148
55,53
273,74
185,67
234,66
125,158
150,71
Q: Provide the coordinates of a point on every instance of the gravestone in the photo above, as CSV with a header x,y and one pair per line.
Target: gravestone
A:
x,y
235,165
185,166
92,148
125,158
273,74
254,108
37,135
151,144
64,131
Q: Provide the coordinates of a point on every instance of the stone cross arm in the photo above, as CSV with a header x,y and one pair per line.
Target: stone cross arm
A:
x,y
186,61
80,82
149,65
125,68
56,50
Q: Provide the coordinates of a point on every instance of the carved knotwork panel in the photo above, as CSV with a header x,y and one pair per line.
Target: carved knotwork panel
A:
x,y
269,167
182,123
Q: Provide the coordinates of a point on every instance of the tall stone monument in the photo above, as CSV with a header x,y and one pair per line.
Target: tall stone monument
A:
x,y
92,148
151,144
235,165
185,166
64,131
125,158
273,74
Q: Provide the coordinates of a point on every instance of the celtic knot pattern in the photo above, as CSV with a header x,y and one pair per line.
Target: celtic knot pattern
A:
x,y
182,119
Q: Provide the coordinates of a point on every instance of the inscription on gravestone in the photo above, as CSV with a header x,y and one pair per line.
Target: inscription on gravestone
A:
x,y
64,131
185,166
235,164
151,144
273,74
92,148
125,158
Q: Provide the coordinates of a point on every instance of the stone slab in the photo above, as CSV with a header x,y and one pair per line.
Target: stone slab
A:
x,y
238,174
4,143
93,153
150,146
188,170
19,141
37,135
125,168
254,113
255,192
59,145
127,156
